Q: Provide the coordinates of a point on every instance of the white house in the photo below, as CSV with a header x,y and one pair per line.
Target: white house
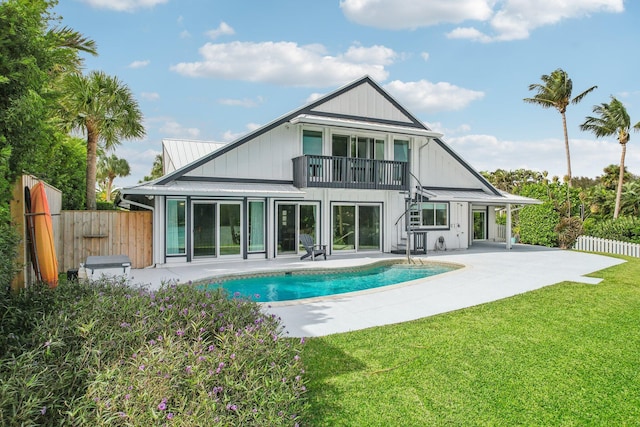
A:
x,y
354,169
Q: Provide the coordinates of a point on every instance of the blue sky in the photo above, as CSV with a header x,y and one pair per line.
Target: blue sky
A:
x,y
214,70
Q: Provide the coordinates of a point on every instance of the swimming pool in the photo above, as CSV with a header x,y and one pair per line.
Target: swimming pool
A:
x,y
294,285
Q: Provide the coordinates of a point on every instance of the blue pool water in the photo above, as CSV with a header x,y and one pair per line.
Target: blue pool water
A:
x,y
298,285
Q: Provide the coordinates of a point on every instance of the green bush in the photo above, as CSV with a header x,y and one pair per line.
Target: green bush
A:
x,y
9,239
624,228
111,354
106,206
537,225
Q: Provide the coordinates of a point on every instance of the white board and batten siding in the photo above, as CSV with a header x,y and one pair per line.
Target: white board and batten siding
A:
x,y
435,167
614,247
268,156
363,101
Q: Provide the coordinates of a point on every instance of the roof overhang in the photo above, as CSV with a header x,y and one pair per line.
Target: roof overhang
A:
x,y
476,196
365,125
215,189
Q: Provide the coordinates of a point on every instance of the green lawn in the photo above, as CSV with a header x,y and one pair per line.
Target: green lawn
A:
x,y
568,354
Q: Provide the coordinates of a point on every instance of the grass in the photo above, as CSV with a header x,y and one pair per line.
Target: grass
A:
x,y
565,355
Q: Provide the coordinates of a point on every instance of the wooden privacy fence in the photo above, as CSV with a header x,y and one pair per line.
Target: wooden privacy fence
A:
x,y
596,244
87,233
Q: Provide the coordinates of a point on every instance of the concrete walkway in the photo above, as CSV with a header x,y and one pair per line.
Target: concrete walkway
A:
x,y
490,273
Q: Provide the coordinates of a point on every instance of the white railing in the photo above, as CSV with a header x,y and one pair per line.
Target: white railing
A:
x,y
596,244
501,232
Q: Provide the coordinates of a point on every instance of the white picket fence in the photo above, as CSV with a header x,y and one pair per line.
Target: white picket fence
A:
x,y
596,244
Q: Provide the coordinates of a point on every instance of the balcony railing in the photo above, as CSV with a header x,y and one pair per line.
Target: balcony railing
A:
x,y
348,172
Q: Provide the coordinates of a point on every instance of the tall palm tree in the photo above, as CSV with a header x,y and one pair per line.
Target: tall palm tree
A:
x,y
555,91
156,169
103,109
109,168
612,119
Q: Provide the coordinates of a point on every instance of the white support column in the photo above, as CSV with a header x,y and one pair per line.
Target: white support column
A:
x,y
508,226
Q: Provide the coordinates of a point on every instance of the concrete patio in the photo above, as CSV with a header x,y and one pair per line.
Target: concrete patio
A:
x,y
490,273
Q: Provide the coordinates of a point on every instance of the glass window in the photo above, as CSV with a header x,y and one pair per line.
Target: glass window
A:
x,y
379,149
204,229
229,229
312,142
344,227
256,226
400,150
435,214
368,227
175,234
340,145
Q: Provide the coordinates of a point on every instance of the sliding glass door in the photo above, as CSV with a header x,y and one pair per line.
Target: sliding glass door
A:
x,y
216,229
294,219
356,227
204,229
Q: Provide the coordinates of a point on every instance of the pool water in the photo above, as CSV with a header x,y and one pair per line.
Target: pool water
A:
x,y
298,285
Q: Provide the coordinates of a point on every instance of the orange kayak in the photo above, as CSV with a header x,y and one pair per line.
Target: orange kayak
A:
x,y
43,235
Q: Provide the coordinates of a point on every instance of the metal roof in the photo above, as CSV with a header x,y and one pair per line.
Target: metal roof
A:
x,y
180,152
475,196
215,189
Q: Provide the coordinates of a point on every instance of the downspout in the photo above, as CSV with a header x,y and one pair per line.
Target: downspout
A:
x,y
420,156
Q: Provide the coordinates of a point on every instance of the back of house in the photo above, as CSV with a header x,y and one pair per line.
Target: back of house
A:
x,y
354,169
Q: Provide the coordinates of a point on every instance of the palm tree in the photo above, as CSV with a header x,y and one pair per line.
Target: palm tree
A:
x,y
109,168
104,109
555,91
156,169
612,119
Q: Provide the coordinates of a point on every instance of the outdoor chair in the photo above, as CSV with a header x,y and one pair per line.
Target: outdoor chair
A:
x,y
312,249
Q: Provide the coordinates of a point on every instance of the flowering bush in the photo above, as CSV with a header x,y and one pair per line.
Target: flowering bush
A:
x,y
110,354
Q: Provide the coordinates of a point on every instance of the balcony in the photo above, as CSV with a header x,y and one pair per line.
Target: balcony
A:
x,y
348,172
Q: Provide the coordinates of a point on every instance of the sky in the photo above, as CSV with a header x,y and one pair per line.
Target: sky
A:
x,y
214,70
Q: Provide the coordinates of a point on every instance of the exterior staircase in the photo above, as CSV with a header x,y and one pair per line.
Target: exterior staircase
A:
x,y
408,227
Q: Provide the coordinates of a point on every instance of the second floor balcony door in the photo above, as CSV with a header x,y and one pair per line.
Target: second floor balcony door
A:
x,y
360,152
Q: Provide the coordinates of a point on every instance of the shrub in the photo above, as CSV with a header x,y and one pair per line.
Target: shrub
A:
x,y
8,252
537,224
624,228
110,354
568,230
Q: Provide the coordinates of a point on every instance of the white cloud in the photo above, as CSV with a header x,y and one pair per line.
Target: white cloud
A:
x,y
287,63
139,64
425,56
469,34
507,19
432,97
175,129
517,17
223,30
124,5
185,34
411,14
247,103
448,132
150,96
